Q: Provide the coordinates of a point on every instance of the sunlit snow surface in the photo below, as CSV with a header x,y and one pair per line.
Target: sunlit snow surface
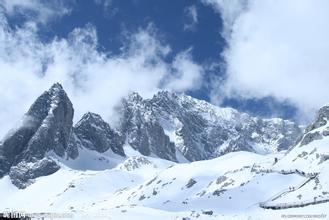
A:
x,y
140,187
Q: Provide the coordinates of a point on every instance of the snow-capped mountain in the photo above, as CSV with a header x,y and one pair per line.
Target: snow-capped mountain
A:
x,y
45,127
94,133
170,157
170,125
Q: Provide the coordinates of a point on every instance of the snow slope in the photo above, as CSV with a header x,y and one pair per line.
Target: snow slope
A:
x,y
101,172
139,187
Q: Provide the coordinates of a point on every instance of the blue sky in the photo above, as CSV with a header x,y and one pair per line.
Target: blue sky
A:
x,y
175,25
231,53
172,22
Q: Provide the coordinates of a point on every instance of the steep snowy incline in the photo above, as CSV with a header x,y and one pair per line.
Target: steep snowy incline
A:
x,y
223,185
311,153
310,157
70,189
154,188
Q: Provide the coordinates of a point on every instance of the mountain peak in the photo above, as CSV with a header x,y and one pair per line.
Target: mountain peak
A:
x,y
165,95
56,86
95,134
51,99
170,126
320,120
91,115
135,97
50,121
198,129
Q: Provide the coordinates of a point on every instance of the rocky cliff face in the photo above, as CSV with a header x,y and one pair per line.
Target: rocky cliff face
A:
x,y
310,154
143,131
24,173
169,124
94,133
45,127
318,129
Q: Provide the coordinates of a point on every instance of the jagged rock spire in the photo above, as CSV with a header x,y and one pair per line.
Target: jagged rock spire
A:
x,y
95,134
46,127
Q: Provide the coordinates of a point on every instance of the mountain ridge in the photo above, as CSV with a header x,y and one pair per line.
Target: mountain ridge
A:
x,y
106,170
183,118
174,127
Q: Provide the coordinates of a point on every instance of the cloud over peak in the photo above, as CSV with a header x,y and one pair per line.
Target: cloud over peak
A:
x,y
30,66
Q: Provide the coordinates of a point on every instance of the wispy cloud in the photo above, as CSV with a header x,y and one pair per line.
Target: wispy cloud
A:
x,y
191,18
277,48
108,8
104,3
37,10
95,81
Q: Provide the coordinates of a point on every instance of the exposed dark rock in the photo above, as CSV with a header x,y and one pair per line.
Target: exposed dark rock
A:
x,y
321,119
201,130
45,127
24,173
142,197
135,162
73,146
208,212
168,126
323,157
221,179
142,131
218,192
190,183
326,132
309,137
95,134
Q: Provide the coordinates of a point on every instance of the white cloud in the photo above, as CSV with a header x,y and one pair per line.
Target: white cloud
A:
x,y
42,11
108,8
186,74
192,18
277,48
94,81
230,10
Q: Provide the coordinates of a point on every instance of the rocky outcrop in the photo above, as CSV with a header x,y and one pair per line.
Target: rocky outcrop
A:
x,y
143,131
95,134
135,162
320,120
24,173
310,154
45,127
168,124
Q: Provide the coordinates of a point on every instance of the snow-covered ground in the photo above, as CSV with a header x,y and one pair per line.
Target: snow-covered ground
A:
x,y
139,187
